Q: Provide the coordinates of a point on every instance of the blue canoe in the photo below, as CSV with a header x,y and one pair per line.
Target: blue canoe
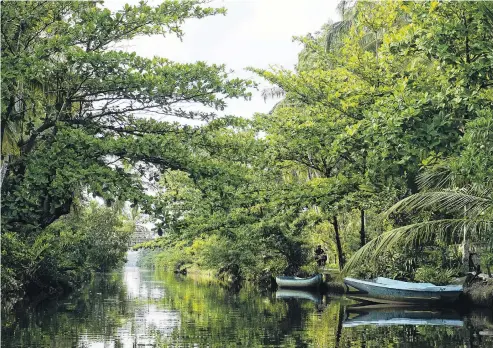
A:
x,y
385,290
299,283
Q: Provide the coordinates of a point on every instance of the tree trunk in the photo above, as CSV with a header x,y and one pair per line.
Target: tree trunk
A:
x,y
340,254
362,232
3,169
465,250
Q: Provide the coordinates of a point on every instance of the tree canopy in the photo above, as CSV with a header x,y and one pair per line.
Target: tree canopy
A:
x,y
392,103
390,92
77,111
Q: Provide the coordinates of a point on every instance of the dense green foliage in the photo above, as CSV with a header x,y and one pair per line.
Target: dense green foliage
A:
x,y
394,103
456,185
64,254
73,108
395,89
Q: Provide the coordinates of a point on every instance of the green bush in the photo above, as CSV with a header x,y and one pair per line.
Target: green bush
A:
x,y
147,258
63,255
108,235
487,261
434,275
176,258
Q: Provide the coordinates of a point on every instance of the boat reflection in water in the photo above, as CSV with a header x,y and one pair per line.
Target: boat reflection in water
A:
x,y
313,296
320,301
385,315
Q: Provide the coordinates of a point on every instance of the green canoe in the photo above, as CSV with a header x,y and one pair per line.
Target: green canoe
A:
x,y
299,283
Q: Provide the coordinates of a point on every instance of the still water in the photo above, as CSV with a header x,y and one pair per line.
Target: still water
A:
x,y
141,308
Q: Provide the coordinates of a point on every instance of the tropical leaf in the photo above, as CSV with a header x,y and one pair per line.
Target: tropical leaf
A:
x,y
437,178
11,137
472,202
336,32
472,205
272,93
416,234
487,8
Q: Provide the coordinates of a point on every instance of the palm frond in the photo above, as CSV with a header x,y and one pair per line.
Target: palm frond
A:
x,y
436,178
472,201
416,234
336,32
487,8
479,130
370,41
271,93
280,104
10,139
346,7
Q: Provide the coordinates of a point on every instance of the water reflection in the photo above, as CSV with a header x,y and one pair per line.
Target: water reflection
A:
x,y
137,308
386,315
313,296
142,288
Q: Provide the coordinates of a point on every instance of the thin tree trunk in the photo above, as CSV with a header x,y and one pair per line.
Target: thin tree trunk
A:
x,y
362,232
3,170
376,46
465,247
340,254
466,34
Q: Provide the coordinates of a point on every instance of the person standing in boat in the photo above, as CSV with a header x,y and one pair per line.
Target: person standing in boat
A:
x,y
320,256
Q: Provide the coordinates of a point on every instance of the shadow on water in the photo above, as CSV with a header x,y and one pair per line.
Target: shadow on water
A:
x,y
138,308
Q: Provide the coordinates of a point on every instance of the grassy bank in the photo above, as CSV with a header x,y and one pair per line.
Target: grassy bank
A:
x,y
479,294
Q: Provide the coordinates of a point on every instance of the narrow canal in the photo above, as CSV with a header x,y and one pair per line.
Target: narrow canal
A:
x,y
142,308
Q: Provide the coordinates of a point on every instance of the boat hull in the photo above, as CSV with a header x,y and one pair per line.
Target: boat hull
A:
x,y
299,283
385,293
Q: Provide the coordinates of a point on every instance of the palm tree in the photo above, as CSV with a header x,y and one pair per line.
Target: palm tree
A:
x,y
334,32
273,92
470,204
470,208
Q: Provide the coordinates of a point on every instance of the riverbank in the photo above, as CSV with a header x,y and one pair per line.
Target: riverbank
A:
x,y
479,294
